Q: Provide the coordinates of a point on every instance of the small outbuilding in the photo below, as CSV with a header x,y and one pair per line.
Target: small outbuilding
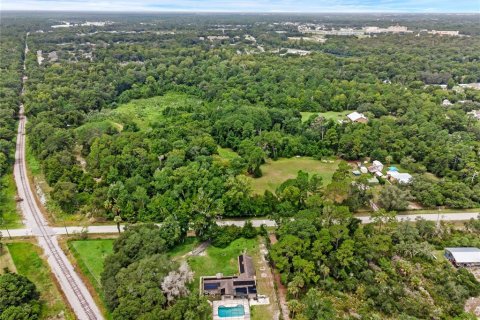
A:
x,y
446,103
463,256
376,166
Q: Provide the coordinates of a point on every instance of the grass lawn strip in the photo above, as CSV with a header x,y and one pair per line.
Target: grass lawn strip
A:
x,y
6,261
27,260
89,256
8,206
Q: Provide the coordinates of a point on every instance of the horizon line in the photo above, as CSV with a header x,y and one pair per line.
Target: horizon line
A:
x,y
243,12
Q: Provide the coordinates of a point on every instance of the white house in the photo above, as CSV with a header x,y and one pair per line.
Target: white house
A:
x,y
357,117
446,103
376,166
403,178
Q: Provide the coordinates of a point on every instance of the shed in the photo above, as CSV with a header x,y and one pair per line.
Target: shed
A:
x,y
446,103
373,180
356,172
463,256
363,169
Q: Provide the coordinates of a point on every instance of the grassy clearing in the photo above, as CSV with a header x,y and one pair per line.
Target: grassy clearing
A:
x,y
276,172
91,255
184,248
8,207
334,115
6,262
218,260
147,111
307,115
227,153
27,260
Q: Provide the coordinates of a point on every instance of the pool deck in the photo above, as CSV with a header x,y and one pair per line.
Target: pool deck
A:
x,y
231,303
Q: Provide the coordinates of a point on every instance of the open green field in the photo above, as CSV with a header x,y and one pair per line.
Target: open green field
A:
x,y
218,260
276,172
146,111
90,255
334,115
9,217
227,153
27,260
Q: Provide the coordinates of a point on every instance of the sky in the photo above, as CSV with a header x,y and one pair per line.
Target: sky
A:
x,y
310,6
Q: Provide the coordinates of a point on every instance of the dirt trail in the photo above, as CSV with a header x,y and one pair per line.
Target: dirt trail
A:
x,y
281,289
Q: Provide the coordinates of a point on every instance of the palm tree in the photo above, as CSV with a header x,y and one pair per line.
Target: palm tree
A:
x,y
118,219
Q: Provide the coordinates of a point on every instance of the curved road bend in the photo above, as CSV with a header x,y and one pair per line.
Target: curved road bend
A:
x,y
74,289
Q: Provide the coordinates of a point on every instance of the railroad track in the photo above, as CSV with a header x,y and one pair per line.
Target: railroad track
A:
x,y
85,309
43,232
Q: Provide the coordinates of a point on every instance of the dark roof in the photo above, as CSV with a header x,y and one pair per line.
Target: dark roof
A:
x,y
245,266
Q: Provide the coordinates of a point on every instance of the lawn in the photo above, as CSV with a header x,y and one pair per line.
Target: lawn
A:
x,y
276,172
6,262
307,115
182,249
334,115
8,207
90,255
227,153
218,260
145,112
27,260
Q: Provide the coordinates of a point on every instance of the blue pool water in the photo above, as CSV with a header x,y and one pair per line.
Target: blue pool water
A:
x,y
228,312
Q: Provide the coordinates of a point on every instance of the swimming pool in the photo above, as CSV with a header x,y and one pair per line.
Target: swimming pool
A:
x,y
229,312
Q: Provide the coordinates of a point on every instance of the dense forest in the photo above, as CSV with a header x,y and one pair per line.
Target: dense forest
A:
x,y
19,298
102,163
335,268
11,53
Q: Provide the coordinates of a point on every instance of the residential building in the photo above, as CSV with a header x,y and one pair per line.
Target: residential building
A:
x,y
403,178
463,256
357,117
243,285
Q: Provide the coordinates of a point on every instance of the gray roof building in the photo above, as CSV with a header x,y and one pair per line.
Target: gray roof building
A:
x,y
463,256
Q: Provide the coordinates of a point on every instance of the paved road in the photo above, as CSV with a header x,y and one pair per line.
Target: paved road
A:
x,y
108,229
72,286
